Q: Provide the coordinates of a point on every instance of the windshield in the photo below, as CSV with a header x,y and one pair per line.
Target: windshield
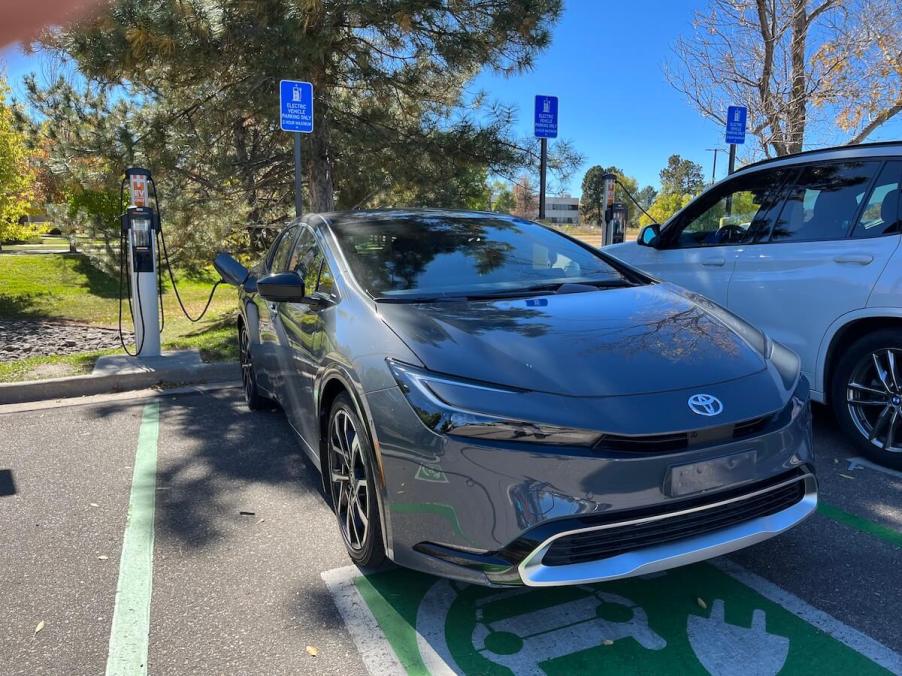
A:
x,y
434,255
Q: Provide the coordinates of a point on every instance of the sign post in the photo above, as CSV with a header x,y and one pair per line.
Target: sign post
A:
x,y
736,117
296,116
545,128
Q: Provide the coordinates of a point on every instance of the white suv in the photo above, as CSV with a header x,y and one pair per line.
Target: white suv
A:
x,y
807,248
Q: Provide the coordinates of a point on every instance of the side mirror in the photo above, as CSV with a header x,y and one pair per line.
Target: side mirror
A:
x,y
231,271
648,236
282,287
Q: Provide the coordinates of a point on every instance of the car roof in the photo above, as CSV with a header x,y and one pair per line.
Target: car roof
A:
x,y
860,151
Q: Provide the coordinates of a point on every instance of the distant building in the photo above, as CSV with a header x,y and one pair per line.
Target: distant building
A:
x,y
560,210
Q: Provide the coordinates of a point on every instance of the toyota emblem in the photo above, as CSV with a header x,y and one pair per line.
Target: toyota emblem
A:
x,y
705,404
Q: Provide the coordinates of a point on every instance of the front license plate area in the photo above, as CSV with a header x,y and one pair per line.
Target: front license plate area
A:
x,y
707,475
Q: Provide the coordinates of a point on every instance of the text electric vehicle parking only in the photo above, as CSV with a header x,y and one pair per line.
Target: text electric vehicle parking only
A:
x,y
490,400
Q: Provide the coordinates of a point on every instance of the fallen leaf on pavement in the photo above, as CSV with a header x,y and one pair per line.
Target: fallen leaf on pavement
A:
x,y
701,603
246,513
94,504
846,476
38,628
102,557
313,651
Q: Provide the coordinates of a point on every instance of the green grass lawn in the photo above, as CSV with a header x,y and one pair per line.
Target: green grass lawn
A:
x,y
64,286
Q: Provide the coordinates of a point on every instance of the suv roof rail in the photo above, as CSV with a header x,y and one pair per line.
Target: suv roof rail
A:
x,y
872,144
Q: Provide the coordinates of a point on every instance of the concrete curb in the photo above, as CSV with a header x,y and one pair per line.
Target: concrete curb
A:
x,y
80,386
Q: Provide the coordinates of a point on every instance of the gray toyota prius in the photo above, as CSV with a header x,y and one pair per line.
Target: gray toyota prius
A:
x,y
490,400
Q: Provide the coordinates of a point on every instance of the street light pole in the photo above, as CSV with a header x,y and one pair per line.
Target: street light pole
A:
x,y
714,168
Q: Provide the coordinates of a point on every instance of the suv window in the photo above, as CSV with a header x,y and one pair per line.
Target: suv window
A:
x,y
823,201
736,212
279,259
881,213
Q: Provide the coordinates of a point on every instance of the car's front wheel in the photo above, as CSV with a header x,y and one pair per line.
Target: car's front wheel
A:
x,y
867,396
352,487
252,395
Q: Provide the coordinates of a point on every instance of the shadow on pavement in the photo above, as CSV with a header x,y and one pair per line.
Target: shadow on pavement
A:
x,y
209,451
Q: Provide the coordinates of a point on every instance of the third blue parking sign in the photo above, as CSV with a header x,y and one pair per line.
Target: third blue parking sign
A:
x,y
736,116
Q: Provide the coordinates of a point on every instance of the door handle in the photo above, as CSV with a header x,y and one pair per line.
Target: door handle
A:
x,y
860,259
714,262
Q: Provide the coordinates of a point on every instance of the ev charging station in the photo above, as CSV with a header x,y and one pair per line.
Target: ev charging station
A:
x,y
140,225
615,213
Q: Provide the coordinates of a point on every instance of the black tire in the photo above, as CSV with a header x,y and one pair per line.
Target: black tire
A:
x,y
255,400
349,479
866,395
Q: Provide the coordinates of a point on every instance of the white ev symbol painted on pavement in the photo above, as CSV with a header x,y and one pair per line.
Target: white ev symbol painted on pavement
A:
x,y
726,649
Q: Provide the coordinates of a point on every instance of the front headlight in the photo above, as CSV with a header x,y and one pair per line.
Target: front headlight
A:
x,y
421,387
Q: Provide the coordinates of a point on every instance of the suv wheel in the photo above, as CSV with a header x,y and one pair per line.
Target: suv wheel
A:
x,y
351,483
867,396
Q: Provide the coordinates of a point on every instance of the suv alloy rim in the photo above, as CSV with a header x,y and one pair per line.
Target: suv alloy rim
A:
x,y
347,474
874,397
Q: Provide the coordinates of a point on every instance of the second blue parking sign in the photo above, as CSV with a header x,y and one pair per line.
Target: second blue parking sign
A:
x,y
546,116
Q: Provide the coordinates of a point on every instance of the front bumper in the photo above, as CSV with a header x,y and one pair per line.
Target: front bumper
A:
x,y
489,513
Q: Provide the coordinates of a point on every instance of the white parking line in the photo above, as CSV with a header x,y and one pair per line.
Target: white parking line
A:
x,y
854,639
374,648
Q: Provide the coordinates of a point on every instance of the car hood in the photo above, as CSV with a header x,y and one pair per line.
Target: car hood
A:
x,y
609,342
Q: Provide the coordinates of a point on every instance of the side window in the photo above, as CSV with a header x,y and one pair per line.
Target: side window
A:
x,y
881,213
823,202
279,259
305,244
737,212
326,284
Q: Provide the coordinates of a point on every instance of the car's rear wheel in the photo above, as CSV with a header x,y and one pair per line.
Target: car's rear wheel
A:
x,y
252,395
352,487
867,396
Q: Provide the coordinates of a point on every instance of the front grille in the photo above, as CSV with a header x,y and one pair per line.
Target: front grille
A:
x,y
608,542
680,441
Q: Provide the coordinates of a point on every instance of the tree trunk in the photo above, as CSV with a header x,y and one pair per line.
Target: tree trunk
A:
x,y
245,171
797,114
317,159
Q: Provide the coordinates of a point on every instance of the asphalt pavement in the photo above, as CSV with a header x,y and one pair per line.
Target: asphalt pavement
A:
x,y
244,570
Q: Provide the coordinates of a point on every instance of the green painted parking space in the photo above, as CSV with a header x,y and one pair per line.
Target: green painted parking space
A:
x,y
706,618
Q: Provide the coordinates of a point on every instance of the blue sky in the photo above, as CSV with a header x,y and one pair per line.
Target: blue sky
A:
x,y
605,64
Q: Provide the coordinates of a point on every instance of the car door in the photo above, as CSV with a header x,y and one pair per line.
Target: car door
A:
x,y
825,253
263,351
699,247
301,332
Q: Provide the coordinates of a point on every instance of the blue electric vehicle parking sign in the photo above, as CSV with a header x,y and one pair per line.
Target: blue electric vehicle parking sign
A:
x,y
296,106
736,116
546,116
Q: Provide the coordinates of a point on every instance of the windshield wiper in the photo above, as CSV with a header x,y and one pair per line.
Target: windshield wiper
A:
x,y
536,290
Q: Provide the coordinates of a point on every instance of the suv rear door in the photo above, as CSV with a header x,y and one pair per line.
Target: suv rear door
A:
x,y
823,255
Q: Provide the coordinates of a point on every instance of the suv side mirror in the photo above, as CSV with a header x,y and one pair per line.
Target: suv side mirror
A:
x,y
282,287
648,236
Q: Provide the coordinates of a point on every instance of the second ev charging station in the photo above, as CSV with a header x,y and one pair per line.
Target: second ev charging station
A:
x,y
140,225
615,213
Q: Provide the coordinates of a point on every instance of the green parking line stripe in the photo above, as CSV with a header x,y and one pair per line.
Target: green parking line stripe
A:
x,y
894,537
131,615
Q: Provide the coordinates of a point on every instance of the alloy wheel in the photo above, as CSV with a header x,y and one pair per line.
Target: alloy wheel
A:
x,y
347,475
247,367
874,398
